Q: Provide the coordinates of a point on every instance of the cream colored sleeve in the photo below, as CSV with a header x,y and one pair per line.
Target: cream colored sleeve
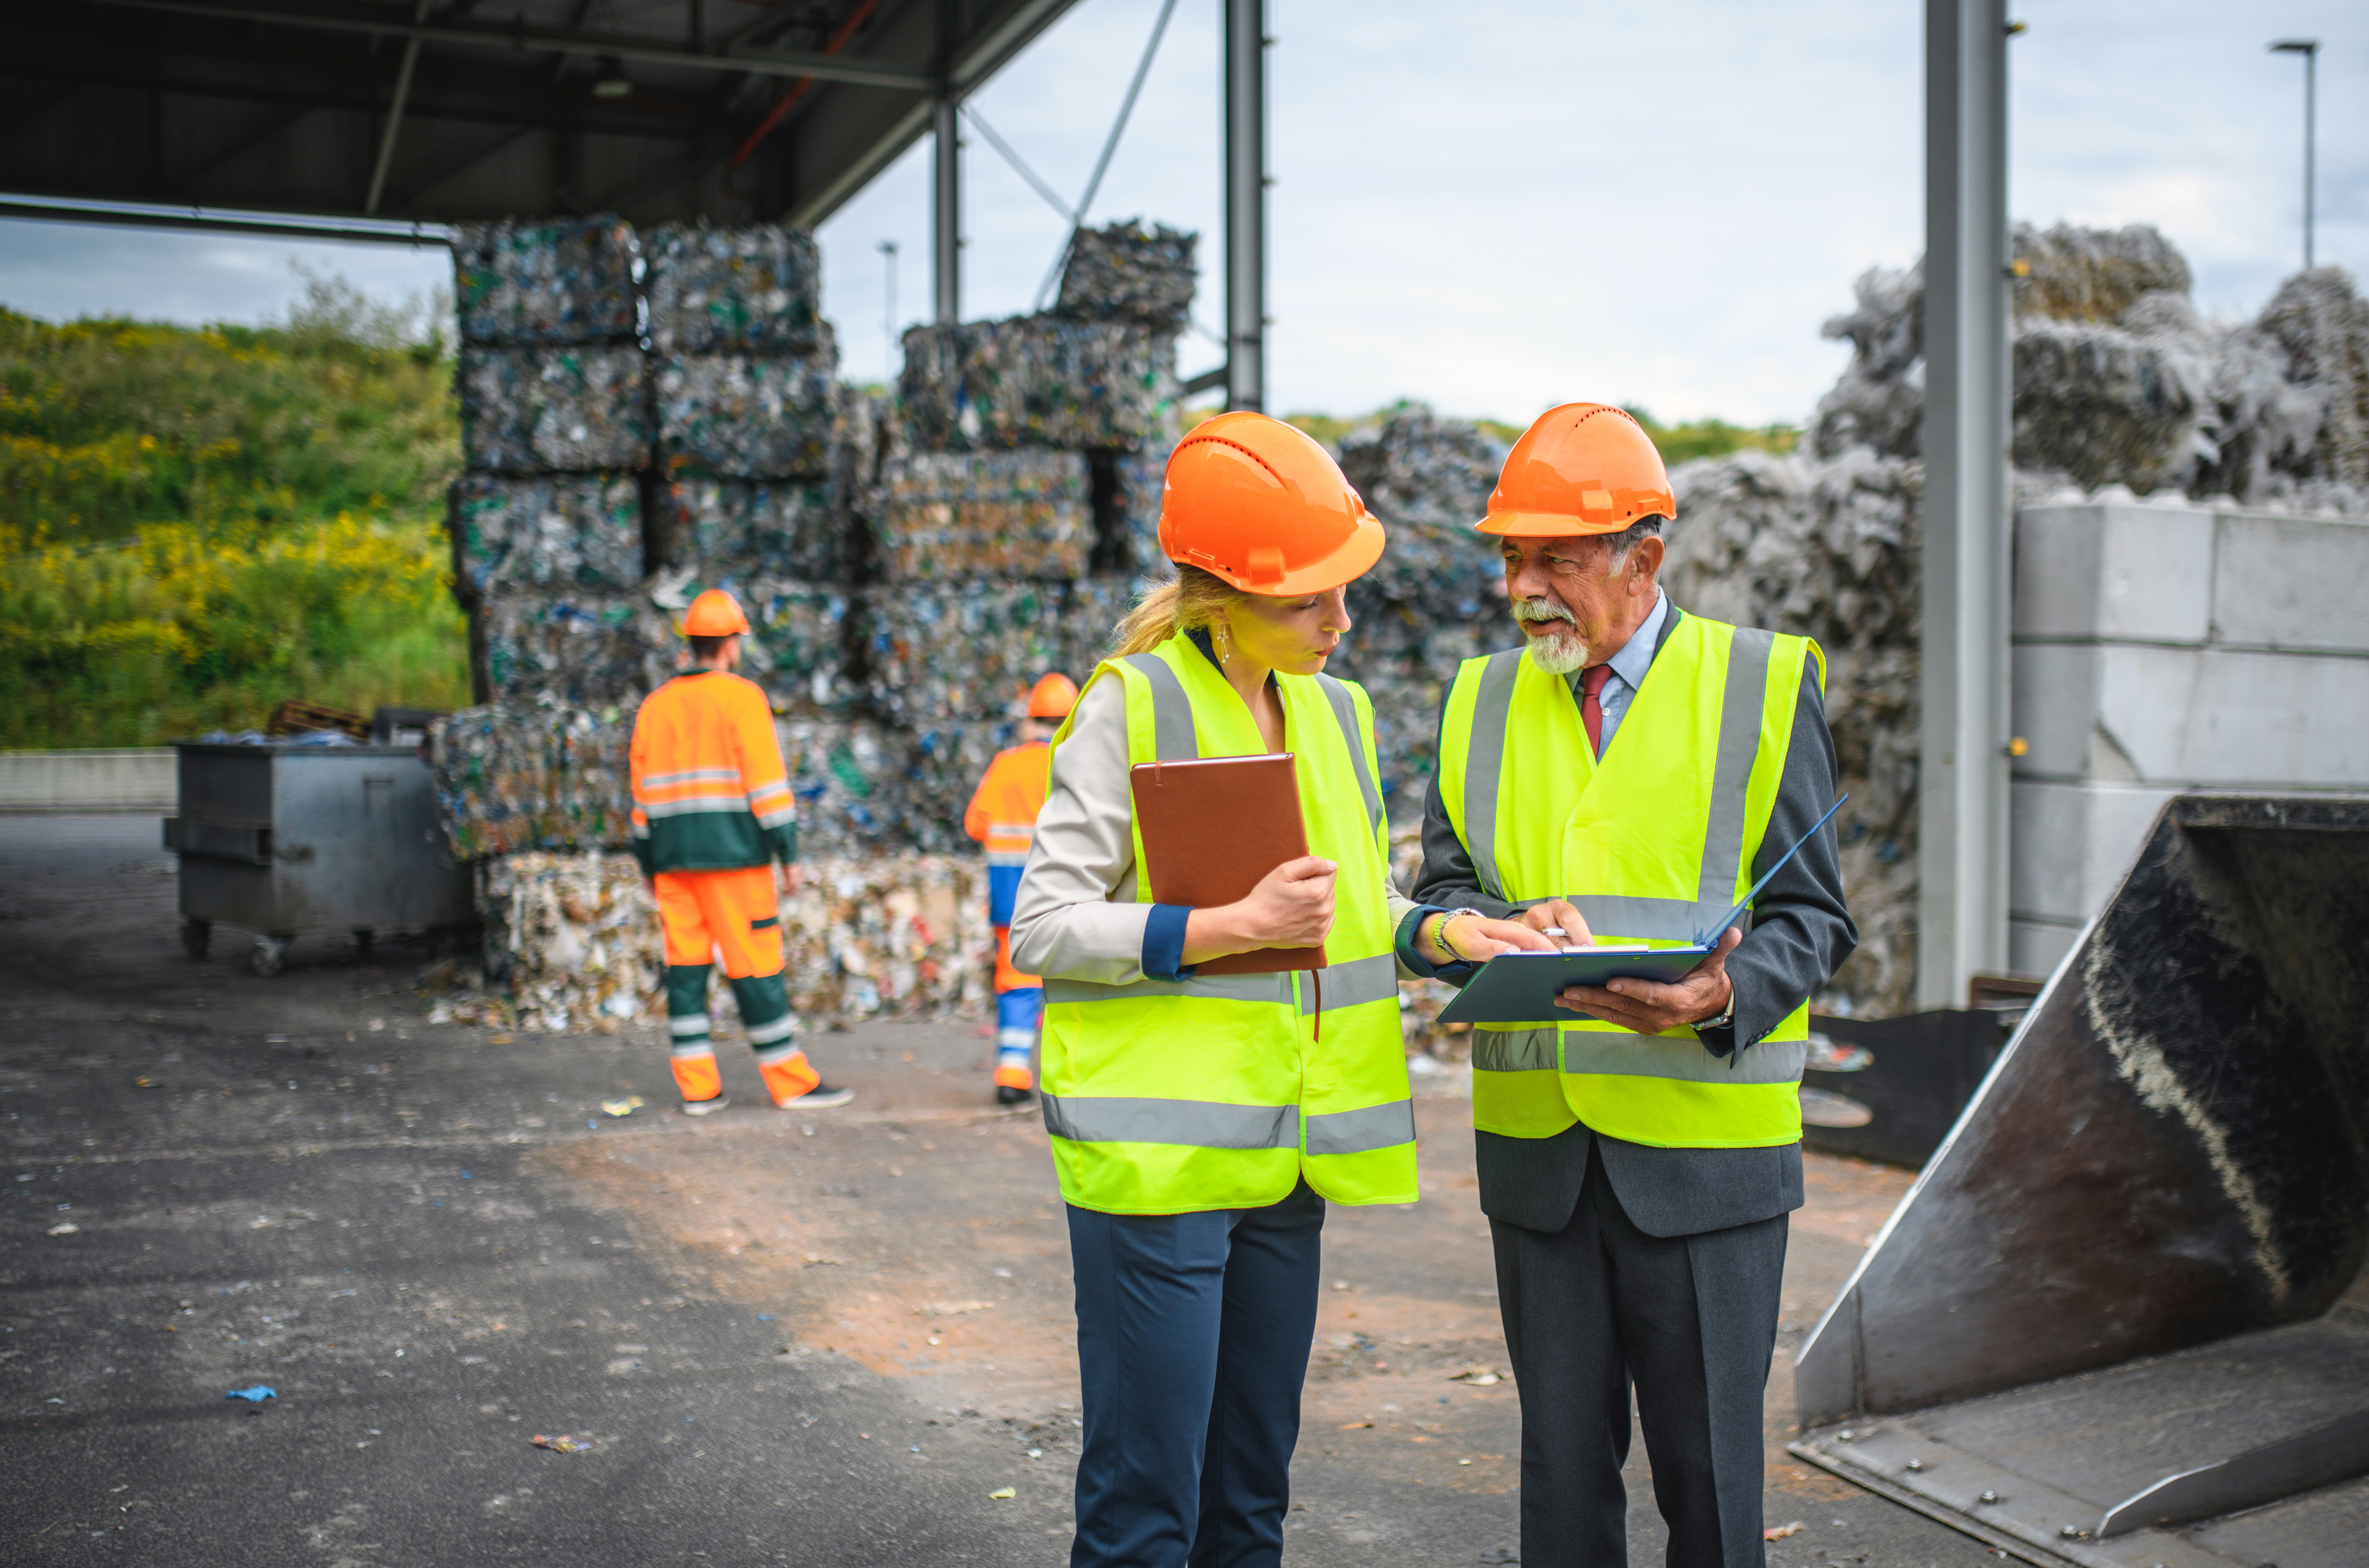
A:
x,y
1075,917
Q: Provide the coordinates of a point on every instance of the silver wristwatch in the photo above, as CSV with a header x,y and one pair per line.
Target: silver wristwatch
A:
x,y
1446,915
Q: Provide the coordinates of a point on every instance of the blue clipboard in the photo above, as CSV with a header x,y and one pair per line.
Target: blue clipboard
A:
x,y
1521,988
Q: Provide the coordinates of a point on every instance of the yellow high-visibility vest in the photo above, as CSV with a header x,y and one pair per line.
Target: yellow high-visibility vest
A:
x,y
1652,843
1171,1097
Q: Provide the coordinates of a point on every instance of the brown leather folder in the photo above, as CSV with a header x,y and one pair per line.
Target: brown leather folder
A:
x,y
1212,828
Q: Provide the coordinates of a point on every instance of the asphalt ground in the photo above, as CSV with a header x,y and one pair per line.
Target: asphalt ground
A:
x,y
828,1337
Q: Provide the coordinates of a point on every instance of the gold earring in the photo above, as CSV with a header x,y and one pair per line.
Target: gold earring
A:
x,y
1225,645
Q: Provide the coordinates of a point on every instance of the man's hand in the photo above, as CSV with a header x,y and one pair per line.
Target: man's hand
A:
x,y
785,877
1291,907
1474,939
1558,914
1649,1007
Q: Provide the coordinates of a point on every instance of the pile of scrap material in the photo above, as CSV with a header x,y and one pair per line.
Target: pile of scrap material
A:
x,y
2117,382
572,944
530,776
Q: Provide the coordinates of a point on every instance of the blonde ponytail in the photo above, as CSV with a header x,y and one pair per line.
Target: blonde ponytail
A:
x,y
1187,601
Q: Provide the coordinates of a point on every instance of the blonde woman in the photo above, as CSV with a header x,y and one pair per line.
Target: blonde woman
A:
x,y
1200,1124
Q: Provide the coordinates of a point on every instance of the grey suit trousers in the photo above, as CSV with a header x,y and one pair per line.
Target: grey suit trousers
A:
x,y
1690,1319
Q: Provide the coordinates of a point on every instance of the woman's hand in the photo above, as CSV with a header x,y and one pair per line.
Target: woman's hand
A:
x,y
1291,907
1473,939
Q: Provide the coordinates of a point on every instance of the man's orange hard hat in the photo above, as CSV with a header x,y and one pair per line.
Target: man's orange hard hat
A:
x,y
715,613
1053,696
1580,468
1259,504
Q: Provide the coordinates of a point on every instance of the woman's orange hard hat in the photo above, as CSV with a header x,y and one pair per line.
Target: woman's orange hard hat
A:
x,y
1580,468
1261,505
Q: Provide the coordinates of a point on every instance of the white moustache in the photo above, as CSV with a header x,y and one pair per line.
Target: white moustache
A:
x,y
1541,610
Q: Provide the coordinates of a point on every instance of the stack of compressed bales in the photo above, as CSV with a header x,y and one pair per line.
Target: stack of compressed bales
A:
x,y
534,775
1125,271
546,522
2115,381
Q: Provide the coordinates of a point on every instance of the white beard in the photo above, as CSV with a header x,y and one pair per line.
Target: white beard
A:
x,y
1558,652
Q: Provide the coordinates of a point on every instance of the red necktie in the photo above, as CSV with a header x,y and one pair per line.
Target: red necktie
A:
x,y
1591,704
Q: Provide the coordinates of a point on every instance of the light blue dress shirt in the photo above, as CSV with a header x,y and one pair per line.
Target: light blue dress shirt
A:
x,y
1628,667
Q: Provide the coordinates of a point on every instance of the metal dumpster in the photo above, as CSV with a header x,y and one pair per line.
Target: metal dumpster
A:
x,y
293,840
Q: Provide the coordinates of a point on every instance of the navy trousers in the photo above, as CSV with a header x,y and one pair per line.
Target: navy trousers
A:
x,y
1193,1339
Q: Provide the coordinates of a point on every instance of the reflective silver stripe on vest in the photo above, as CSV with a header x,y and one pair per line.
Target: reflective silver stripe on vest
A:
x,y
1624,1054
1199,1124
1739,740
1345,709
1174,738
1647,920
1351,984
1514,1050
1491,709
1361,1131
1215,987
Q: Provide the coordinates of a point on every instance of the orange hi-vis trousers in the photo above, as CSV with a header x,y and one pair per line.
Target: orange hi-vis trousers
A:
x,y
731,915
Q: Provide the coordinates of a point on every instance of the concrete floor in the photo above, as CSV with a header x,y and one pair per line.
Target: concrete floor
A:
x,y
819,1338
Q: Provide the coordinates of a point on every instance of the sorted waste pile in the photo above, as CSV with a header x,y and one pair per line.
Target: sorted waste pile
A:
x,y
572,939
909,568
2116,382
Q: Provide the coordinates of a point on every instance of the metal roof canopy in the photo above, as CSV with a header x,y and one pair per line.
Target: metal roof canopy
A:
x,y
445,110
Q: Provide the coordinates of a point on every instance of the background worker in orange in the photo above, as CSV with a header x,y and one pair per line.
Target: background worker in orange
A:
x,y
713,815
1003,817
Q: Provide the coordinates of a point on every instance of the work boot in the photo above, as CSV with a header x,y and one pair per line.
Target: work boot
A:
x,y
821,1097
1005,1095
707,1107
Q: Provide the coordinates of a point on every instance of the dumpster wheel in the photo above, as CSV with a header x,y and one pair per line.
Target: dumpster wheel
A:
x,y
268,953
195,934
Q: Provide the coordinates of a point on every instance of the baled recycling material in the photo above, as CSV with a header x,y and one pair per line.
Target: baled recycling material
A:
x,y
565,535
750,415
526,282
755,290
734,528
531,776
1038,381
796,648
1125,271
583,650
999,514
963,650
541,410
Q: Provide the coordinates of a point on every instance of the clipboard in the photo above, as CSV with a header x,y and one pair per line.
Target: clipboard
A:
x,y
1213,827
1520,988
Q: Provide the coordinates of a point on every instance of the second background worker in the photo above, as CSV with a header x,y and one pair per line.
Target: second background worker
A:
x,y
1003,818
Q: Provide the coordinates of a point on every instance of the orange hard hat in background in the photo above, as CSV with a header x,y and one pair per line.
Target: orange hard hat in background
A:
x,y
1581,469
1053,696
1261,505
715,613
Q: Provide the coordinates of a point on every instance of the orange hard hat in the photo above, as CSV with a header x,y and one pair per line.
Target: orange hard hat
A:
x,y
1581,469
715,613
1053,696
1259,504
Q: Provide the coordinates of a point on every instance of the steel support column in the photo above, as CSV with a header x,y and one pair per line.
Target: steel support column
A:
x,y
1962,772
946,212
1245,47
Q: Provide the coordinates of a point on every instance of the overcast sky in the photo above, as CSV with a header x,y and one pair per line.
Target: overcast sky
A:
x,y
1505,204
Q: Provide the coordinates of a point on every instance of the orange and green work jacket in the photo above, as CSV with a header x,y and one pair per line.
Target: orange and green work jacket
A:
x,y
710,793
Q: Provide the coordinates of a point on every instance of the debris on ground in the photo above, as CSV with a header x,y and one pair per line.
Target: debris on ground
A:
x,y
1003,1493
254,1395
624,1107
566,1443
1779,1532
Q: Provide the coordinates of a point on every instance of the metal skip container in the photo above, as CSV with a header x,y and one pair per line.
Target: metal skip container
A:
x,y
292,840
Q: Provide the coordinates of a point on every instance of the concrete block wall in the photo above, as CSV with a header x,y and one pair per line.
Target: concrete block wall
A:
x,y
2162,650
126,779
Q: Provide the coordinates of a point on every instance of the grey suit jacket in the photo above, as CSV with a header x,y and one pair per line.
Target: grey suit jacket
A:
x,y
1800,934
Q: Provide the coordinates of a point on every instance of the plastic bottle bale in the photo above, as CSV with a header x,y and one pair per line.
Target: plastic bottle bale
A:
x,y
1001,514
577,939
750,528
1037,381
944,765
1141,477
1089,618
565,535
901,935
583,650
796,649
529,410
961,650
848,778
755,290
760,416
521,776
1125,271
532,283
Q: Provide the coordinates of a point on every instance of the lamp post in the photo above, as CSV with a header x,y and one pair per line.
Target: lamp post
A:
x,y
888,312
2309,49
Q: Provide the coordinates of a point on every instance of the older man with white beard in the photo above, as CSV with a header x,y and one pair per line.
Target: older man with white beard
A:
x,y
1638,1158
